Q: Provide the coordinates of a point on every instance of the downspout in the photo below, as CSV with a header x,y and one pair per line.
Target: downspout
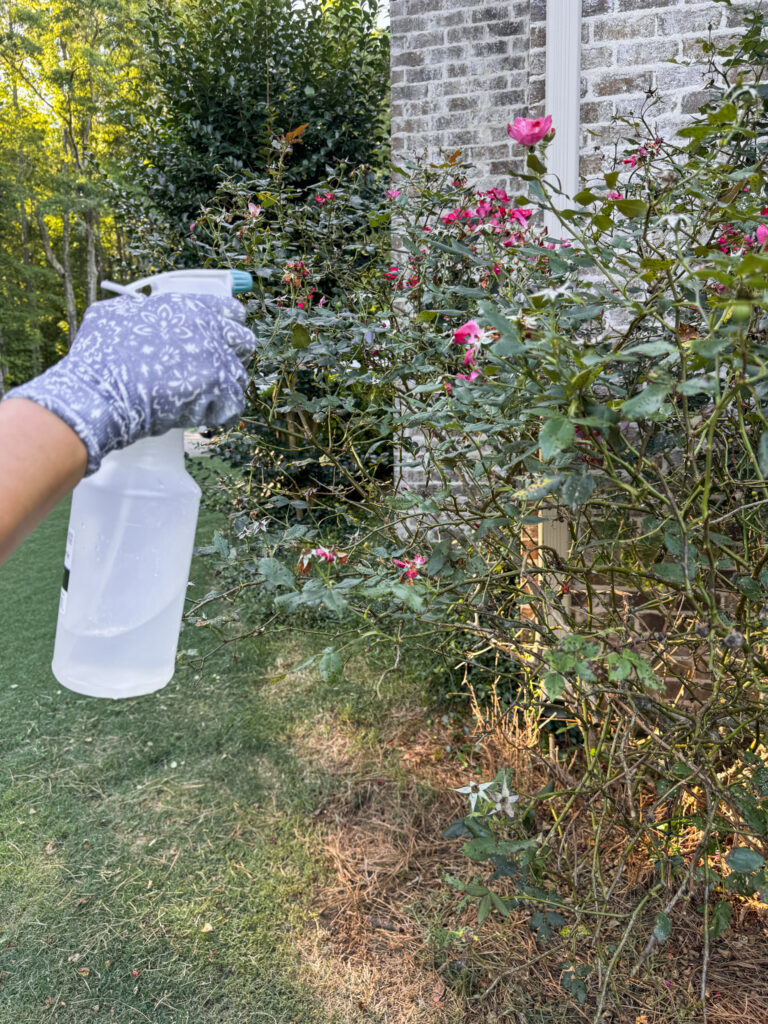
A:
x,y
562,91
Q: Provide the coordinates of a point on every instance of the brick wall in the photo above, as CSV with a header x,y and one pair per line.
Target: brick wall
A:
x,y
627,46
462,69
458,68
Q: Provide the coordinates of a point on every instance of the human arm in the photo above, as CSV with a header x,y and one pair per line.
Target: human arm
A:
x,y
41,460
138,367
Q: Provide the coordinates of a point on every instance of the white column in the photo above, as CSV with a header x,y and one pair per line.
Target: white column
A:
x,y
562,101
563,96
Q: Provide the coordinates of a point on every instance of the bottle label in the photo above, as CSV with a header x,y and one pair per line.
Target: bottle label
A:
x,y
67,567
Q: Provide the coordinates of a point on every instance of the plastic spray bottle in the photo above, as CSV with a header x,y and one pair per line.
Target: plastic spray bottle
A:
x,y
129,547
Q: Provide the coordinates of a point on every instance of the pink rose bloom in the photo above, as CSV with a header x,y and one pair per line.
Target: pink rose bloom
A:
x,y
469,356
483,209
528,132
499,195
254,210
469,377
325,554
192,226
613,194
521,216
762,234
393,193
467,333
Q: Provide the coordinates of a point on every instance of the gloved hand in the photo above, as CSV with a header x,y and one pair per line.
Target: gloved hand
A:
x,y
142,364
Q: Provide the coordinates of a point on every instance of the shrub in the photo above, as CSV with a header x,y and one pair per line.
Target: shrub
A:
x,y
220,84
610,379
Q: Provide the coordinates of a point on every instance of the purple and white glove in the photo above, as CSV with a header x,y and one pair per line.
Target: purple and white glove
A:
x,y
142,364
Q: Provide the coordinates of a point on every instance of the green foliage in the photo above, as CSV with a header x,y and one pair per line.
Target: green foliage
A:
x,y
604,385
63,66
222,84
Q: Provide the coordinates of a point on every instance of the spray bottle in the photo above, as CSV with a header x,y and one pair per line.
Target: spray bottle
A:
x,y
129,547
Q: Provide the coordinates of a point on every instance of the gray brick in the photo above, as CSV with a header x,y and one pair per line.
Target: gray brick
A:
x,y
597,57
497,84
596,112
612,84
491,48
624,28
425,74
505,28
687,22
408,59
408,91
510,98
641,5
591,164
647,51
591,8
440,54
462,103
465,33
538,11
501,168
450,18
423,40
536,92
538,37
671,78
692,102
537,63
482,15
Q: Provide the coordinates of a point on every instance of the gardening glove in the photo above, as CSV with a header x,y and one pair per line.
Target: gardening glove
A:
x,y
142,364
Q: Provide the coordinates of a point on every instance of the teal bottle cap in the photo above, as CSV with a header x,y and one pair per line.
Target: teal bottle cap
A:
x,y
241,281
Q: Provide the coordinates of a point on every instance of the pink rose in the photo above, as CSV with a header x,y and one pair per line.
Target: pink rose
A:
x,y
521,216
393,193
528,132
467,333
613,194
762,234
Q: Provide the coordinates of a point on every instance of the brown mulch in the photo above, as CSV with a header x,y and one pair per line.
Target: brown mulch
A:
x,y
391,946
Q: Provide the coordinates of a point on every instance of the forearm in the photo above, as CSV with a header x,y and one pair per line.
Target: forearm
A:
x,y
41,461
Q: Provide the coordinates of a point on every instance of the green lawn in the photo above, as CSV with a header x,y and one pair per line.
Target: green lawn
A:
x,y
149,865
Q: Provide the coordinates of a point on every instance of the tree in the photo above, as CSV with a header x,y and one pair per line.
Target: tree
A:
x,y
62,68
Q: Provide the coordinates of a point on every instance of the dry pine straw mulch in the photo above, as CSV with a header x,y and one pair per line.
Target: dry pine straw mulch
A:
x,y
372,954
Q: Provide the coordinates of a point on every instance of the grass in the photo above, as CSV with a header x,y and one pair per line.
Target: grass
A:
x,y
156,855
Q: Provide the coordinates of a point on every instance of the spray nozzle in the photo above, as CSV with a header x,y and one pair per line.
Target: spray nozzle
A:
x,y
188,282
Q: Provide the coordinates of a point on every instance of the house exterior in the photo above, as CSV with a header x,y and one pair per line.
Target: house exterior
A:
x,y
462,69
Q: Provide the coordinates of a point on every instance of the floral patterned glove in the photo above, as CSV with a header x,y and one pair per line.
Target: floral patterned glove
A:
x,y
140,365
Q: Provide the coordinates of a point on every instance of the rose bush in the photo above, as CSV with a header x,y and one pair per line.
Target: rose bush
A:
x,y
588,410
